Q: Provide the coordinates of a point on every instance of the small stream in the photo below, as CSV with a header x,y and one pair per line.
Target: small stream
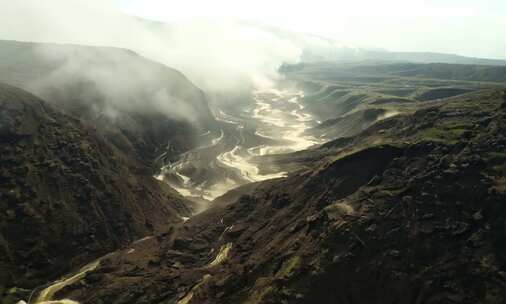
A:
x,y
280,122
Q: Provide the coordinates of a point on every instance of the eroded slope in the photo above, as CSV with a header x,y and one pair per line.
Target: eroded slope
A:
x,y
410,211
66,194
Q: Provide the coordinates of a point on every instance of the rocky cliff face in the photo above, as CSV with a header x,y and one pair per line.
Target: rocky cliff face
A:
x,y
67,195
410,210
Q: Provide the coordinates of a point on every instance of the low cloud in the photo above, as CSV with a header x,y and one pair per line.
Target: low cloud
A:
x,y
221,56
111,80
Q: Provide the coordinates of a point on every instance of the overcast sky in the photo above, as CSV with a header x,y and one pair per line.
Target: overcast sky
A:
x,y
466,27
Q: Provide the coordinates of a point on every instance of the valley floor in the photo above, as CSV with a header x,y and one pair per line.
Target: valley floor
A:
x,y
276,123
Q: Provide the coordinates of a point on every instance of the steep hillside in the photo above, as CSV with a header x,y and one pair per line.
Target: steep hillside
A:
x,y
67,195
410,210
131,100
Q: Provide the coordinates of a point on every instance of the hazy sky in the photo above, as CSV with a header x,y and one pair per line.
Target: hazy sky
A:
x,y
467,27
204,40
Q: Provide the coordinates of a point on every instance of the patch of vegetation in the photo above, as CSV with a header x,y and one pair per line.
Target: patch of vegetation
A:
x,y
496,155
458,125
263,290
444,135
289,267
501,168
441,93
397,92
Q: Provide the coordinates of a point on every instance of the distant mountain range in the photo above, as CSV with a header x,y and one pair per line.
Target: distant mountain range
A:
x,y
336,53
316,48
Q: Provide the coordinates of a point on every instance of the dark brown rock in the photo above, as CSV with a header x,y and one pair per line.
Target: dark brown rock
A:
x,y
58,210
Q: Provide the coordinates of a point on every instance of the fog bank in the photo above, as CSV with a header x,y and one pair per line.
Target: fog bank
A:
x,y
222,56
